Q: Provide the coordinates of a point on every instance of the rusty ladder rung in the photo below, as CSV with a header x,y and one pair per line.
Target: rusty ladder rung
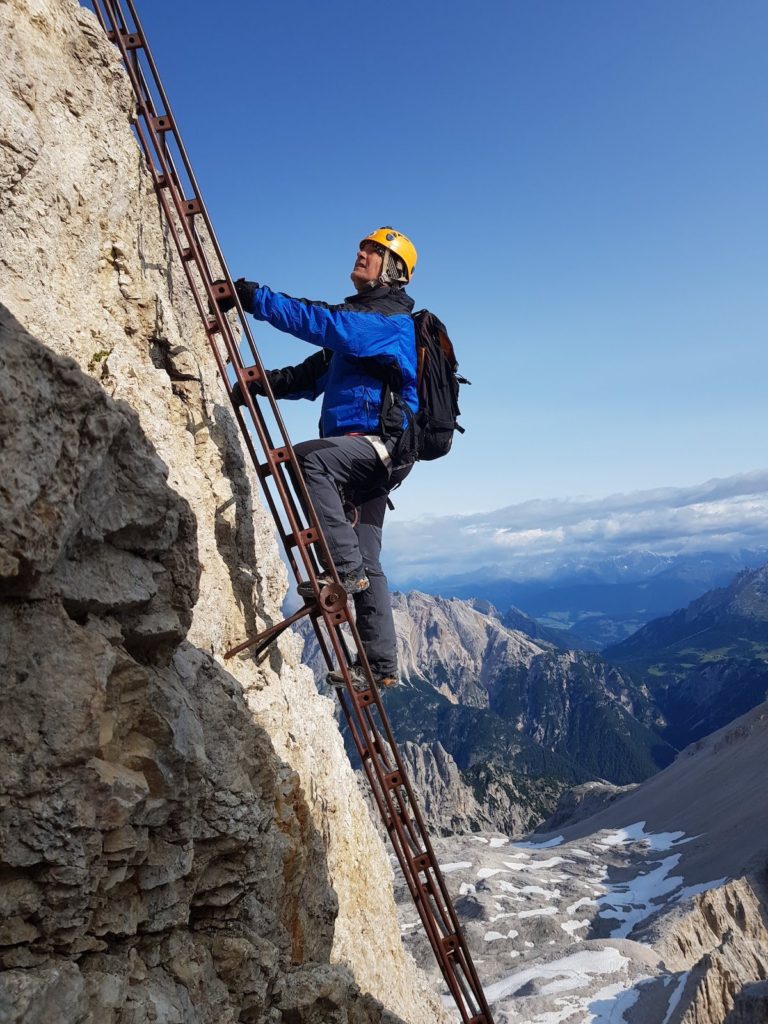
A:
x,y
304,538
130,40
162,123
276,457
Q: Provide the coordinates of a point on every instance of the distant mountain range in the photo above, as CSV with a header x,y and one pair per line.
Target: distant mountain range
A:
x,y
521,719
594,604
706,664
497,720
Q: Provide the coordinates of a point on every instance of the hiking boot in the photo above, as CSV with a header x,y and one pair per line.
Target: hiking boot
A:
x,y
353,583
359,682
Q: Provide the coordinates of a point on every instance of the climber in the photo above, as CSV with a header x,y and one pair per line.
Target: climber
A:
x,y
364,342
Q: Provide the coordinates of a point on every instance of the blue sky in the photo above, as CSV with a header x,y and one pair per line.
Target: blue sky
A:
x,y
585,183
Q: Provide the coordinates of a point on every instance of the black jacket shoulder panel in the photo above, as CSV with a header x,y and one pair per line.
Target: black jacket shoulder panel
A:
x,y
383,300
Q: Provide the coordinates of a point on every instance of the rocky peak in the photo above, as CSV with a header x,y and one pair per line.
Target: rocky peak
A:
x,y
458,648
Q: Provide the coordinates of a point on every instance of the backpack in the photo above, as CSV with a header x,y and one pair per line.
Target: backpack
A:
x,y
438,387
430,431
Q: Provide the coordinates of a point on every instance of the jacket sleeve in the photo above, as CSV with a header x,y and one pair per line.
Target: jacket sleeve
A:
x,y
305,380
337,328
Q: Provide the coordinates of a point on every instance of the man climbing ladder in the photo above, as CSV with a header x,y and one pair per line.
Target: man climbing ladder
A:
x,y
366,371
276,465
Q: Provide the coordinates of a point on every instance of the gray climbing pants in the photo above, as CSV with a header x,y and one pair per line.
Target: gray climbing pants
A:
x,y
351,463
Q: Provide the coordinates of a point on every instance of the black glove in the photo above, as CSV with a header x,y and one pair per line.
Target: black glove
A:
x,y
244,289
256,388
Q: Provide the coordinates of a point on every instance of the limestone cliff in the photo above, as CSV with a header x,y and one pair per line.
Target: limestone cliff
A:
x,y
178,842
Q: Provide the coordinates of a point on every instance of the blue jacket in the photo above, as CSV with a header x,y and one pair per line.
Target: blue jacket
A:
x,y
370,331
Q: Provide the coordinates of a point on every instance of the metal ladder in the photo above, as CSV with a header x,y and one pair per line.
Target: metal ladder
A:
x,y
291,508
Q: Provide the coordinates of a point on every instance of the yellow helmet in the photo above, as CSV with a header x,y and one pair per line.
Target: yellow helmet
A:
x,y
399,245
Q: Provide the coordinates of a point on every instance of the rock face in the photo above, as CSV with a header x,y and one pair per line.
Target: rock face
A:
x,y
447,803
458,649
751,1005
581,802
178,842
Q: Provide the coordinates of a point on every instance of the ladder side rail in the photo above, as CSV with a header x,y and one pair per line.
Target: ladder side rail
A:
x,y
446,916
415,820
446,909
197,193
416,886
167,176
170,177
417,816
393,817
154,144
192,180
407,842
421,889
232,348
157,146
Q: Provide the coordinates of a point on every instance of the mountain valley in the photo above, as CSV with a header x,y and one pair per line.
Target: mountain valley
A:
x,y
521,719
705,664
652,911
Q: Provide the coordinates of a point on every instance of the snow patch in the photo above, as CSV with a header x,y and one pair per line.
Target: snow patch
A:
x,y
458,866
676,996
489,872
638,898
694,890
540,912
573,926
574,971
658,841
541,846
609,1004
537,865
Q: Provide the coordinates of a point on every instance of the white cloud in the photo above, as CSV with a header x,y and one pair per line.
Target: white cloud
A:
x,y
536,537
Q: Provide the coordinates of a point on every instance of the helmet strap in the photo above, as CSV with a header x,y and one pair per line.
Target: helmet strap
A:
x,y
391,274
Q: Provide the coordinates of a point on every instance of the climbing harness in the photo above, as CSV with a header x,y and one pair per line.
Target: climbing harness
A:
x,y
286,496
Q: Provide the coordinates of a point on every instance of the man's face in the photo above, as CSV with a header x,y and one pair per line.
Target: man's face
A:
x,y
367,268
